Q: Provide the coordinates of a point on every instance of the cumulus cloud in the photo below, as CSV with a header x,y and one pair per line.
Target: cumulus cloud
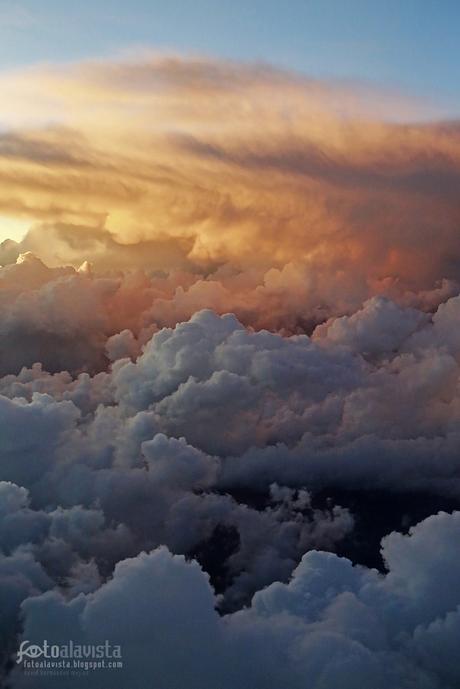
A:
x,y
332,622
214,438
216,441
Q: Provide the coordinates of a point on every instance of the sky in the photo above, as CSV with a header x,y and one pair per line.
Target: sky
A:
x,y
403,53
230,342
411,45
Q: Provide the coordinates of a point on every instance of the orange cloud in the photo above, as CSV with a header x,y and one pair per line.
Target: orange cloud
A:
x,y
172,163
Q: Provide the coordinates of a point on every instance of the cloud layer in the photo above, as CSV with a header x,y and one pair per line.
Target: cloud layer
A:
x,y
216,441
336,624
168,163
230,351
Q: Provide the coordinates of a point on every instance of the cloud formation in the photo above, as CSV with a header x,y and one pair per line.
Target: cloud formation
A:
x,y
230,354
332,622
164,163
217,441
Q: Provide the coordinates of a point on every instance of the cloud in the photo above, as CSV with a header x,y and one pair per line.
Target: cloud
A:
x,y
331,622
230,354
213,435
380,327
349,195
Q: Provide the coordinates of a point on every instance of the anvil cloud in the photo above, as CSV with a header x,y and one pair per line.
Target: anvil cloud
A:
x,y
169,162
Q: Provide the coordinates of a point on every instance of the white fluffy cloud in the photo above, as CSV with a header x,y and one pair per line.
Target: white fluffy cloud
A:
x,y
234,446
336,624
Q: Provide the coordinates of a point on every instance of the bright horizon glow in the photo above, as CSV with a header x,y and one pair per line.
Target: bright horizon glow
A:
x,y
13,228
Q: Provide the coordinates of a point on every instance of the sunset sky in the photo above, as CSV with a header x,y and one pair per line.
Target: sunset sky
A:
x,y
230,342
391,62
409,44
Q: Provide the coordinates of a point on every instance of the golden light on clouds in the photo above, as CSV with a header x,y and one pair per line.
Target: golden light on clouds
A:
x,y
218,162
13,228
